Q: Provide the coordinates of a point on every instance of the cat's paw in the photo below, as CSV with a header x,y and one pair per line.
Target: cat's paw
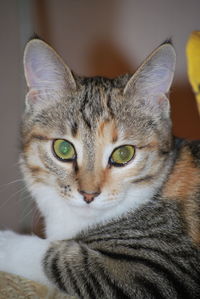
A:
x,y
8,240
22,255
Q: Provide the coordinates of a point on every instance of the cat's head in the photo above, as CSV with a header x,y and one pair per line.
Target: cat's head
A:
x,y
95,143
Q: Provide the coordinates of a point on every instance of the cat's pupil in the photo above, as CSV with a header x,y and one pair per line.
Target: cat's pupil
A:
x,y
64,147
124,153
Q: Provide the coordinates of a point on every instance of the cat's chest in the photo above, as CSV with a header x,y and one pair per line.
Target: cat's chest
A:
x,y
67,223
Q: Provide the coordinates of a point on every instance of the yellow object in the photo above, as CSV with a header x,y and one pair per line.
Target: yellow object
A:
x,y
193,61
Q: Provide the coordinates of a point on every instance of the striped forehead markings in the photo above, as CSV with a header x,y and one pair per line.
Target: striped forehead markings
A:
x,y
108,126
96,100
110,106
74,128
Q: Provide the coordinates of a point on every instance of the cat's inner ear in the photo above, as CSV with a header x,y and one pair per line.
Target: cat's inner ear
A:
x,y
45,70
155,75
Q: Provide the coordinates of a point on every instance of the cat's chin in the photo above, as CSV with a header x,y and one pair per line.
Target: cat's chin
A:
x,y
96,205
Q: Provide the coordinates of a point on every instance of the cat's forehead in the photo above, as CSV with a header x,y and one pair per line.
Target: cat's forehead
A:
x,y
95,110
97,96
103,82
96,101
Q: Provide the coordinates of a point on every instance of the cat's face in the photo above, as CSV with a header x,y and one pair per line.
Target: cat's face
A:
x,y
94,143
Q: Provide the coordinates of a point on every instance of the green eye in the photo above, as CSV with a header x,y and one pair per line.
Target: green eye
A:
x,y
122,155
64,150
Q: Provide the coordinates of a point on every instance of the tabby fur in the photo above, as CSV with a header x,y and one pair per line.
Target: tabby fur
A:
x,y
140,235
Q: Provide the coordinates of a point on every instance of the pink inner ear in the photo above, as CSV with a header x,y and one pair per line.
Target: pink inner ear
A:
x,y
41,76
32,96
30,76
45,70
162,104
33,76
161,99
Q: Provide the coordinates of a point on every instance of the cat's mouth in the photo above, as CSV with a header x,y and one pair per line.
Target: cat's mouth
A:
x,y
99,203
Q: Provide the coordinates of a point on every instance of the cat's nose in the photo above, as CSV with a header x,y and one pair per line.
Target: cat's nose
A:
x,y
88,196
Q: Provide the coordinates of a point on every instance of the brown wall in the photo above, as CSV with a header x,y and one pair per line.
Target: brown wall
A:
x,y
95,38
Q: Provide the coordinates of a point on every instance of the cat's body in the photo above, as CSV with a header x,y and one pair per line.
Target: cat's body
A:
x,y
143,255
120,196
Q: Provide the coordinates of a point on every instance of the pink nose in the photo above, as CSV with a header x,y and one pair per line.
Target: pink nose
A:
x,y
89,196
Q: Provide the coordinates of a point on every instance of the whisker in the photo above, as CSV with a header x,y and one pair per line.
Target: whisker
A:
x,y
16,164
28,203
10,183
36,219
22,190
27,214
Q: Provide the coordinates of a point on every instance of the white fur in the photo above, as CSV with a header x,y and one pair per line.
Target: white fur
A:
x,y
65,219
22,255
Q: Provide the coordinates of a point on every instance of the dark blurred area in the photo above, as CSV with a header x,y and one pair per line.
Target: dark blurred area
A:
x,y
105,38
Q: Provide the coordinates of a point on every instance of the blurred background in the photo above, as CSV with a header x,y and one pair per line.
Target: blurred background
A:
x,y
102,37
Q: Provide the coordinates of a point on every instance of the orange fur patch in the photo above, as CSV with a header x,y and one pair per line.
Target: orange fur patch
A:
x,y
184,179
108,128
183,185
36,170
88,181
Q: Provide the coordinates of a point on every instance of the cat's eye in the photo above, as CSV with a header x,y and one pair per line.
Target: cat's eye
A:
x,y
122,155
64,150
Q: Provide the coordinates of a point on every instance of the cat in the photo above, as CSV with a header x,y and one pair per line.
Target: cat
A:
x,y
119,194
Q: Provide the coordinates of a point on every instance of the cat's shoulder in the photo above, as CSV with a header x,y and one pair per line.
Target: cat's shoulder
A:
x,y
195,149
188,149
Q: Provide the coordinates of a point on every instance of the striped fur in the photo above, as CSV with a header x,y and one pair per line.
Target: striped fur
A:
x,y
140,236
146,254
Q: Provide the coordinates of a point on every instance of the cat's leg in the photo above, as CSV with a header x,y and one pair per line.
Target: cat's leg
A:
x,y
22,255
83,272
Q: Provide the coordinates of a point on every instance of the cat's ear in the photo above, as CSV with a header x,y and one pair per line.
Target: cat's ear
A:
x,y
155,75
45,71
